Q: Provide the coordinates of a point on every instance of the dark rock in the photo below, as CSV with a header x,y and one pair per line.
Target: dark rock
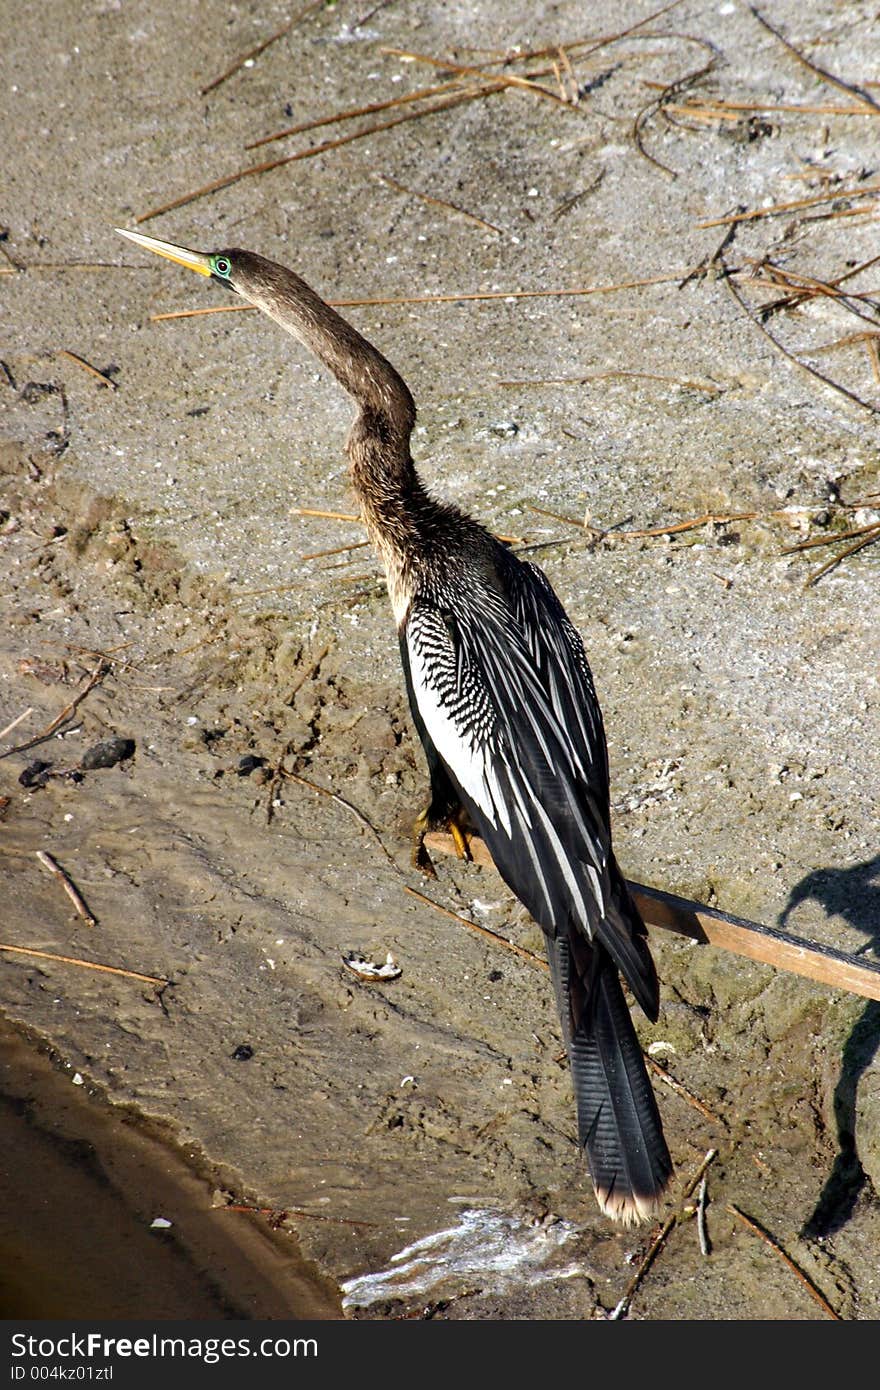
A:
x,y
248,764
108,753
36,774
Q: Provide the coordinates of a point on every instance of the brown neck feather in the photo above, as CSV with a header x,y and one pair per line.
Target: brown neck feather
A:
x,y
378,445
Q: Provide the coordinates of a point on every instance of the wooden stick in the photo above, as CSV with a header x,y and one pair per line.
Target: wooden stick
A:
x,y
710,389
282,1213
85,964
311,670
198,313
592,44
869,539
767,945
316,511
282,772
709,518
777,1248
68,885
830,540
663,1075
806,287
709,108
336,550
780,347
579,522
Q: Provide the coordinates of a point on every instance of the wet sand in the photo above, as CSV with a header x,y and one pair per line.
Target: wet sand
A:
x,y
81,1186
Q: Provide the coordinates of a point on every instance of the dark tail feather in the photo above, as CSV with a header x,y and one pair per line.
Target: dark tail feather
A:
x,y
619,1124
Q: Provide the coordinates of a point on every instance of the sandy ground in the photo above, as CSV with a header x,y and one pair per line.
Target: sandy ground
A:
x,y
150,524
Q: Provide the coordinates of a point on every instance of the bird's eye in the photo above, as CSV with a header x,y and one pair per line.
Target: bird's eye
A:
x,y
221,266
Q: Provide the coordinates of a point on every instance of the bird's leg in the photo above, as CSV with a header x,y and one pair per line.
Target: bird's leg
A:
x,y
443,812
421,859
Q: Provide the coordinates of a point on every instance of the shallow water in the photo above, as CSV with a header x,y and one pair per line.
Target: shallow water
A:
x,y
81,1184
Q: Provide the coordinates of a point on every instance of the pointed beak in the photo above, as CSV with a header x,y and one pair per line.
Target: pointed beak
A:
x,y
193,260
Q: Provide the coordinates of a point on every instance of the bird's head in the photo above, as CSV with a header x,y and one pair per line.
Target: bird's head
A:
x,y
228,267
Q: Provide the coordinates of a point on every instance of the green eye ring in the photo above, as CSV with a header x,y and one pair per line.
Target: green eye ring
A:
x,y
221,266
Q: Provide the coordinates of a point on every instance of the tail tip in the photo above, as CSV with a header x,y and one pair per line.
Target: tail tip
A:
x,y
630,1208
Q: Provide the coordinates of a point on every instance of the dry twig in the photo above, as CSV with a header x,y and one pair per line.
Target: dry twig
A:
x,y
282,772
490,935
351,112
870,190
663,1075
384,301
441,203
729,280
618,372
803,287
335,550
870,534
278,1216
87,366
623,1306
478,74
592,45
717,109
15,722
95,677
858,92
333,516
671,90
777,1248
85,964
228,179
68,885
307,674
260,47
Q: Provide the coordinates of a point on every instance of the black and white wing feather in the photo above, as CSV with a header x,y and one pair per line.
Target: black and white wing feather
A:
x,y
504,700
505,695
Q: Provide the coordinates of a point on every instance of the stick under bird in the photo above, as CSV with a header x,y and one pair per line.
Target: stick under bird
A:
x,y
503,701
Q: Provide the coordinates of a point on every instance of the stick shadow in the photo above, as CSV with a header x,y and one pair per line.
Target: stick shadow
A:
x,y
852,893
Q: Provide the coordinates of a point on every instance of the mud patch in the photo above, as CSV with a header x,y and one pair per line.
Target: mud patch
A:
x,y
100,1217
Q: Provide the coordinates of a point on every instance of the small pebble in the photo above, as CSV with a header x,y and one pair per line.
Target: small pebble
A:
x,y
248,764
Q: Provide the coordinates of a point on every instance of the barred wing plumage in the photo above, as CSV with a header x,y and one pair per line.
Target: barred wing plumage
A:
x,y
506,697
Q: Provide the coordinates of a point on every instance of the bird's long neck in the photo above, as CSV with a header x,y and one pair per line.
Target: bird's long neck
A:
x,y
382,468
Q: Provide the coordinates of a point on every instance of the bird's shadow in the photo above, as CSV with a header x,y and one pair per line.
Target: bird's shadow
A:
x,y
854,894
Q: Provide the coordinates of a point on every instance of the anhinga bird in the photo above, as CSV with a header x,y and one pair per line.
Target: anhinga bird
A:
x,y
503,700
